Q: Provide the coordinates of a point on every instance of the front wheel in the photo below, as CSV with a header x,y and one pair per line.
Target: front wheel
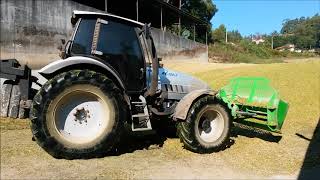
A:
x,y
78,114
207,127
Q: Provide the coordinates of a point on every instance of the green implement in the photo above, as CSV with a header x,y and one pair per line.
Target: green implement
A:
x,y
254,102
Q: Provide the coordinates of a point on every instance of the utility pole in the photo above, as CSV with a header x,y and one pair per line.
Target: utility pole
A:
x,y
194,32
106,5
271,41
161,19
226,36
179,18
206,39
137,9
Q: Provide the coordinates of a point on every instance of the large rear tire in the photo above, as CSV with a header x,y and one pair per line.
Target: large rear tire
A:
x,y
207,127
78,114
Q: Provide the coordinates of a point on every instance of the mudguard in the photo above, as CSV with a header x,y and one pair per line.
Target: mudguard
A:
x,y
184,105
76,60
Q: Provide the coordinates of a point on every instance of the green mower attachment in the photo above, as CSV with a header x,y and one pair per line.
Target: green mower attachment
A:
x,y
254,102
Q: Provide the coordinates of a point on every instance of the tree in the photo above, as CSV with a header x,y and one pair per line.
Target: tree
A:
x,y
218,35
234,36
305,32
202,9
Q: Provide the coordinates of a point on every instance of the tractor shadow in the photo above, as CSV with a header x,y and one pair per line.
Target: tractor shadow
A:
x,y
149,140
243,130
133,141
311,165
141,141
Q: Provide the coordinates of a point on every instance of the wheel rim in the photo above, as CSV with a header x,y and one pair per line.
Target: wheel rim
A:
x,y
81,114
210,125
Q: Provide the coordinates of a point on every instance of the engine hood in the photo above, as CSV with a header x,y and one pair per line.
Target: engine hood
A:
x,y
175,85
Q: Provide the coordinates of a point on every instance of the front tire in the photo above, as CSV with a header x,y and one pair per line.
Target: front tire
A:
x,y
78,114
207,127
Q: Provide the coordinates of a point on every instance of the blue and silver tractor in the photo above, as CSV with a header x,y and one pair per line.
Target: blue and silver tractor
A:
x,y
110,77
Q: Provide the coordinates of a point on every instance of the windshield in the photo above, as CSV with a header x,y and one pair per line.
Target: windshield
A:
x,y
83,39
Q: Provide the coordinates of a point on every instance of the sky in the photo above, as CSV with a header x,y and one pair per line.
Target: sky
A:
x,y
261,16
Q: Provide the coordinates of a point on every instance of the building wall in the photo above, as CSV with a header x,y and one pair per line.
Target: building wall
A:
x,y
174,48
31,31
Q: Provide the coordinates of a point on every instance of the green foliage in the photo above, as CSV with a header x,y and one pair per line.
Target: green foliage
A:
x,y
204,9
234,36
218,35
303,32
247,52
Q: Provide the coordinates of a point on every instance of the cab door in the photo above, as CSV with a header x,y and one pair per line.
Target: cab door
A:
x,y
118,44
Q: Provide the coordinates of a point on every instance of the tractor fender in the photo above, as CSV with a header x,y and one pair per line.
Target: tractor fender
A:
x,y
54,67
182,108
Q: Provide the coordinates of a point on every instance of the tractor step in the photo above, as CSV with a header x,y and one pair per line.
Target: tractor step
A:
x,y
140,115
140,120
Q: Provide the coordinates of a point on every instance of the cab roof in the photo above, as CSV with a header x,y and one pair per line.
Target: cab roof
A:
x,y
88,14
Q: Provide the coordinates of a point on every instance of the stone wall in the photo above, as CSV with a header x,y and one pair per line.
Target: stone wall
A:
x,y
31,30
35,26
172,47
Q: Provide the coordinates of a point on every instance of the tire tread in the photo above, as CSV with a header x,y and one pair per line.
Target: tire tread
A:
x,y
48,92
186,133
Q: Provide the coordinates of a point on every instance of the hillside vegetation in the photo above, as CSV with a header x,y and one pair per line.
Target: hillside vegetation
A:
x,y
248,52
303,33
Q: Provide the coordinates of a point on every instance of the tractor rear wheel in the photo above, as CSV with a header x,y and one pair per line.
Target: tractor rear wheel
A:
x,y
207,127
78,114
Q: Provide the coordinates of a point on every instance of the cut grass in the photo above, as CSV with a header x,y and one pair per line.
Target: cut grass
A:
x,y
13,124
252,154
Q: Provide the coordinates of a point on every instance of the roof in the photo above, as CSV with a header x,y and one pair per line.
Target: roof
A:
x,y
78,14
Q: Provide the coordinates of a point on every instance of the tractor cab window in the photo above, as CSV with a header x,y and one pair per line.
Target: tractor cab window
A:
x,y
82,41
118,44
119,41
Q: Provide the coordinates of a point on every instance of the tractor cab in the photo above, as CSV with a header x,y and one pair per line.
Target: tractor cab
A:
x,y
122,44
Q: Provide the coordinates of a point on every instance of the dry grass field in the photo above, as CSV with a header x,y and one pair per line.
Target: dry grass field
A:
x,y
253,154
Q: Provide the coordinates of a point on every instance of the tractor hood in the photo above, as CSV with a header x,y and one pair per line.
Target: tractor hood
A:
x,y
176,85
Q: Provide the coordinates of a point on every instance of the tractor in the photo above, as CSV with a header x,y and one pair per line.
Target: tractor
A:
x,y
110,77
